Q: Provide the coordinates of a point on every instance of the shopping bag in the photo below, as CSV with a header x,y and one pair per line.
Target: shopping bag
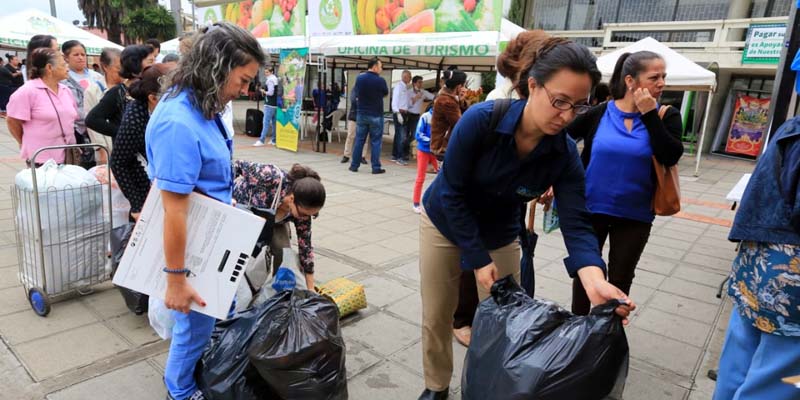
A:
x,y
135,301
550,220
299,350
525,348
160,317
225,372
348,296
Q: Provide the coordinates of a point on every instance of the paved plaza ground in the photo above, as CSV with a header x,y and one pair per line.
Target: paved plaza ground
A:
x,y
92,347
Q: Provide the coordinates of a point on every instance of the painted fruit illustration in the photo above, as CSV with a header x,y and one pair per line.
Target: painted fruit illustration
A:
x,y
423,22
414,7
261,30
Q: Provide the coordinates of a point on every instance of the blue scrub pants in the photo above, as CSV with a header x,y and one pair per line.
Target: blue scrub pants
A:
x,y
190,335
753,363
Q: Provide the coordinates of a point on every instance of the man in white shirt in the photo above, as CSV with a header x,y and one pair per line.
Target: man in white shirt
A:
x,y
417,97
270,108
400,106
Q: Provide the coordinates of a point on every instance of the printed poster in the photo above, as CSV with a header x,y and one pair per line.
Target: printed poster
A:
x,y
377,17
749,124
292,74
263,18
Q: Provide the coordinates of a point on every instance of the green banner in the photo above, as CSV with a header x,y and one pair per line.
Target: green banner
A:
x,y
292,75
377,17
263,18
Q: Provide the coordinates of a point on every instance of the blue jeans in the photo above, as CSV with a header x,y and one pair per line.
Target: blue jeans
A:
x,y
753,362
269,123
190,335
372,126
400,134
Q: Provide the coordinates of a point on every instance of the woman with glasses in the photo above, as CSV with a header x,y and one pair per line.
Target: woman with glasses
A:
x,y
130,150
295,196
620,139
472,210
189,150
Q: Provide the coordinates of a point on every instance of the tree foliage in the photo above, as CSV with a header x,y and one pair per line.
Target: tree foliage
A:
x,y
149,22
516,12
108,14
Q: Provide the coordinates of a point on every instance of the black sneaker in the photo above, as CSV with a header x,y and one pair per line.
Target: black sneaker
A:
x,y
345,159
378,171
353,169
363,161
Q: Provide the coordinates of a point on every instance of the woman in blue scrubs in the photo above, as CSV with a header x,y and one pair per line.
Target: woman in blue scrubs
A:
x,y
190,150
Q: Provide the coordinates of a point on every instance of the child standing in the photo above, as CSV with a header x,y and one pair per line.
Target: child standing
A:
x,y
424,155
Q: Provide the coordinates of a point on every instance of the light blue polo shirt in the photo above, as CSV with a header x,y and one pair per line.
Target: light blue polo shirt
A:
x,y
187,152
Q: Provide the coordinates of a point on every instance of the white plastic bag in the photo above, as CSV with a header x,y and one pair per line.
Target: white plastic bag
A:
x,y
161,318
120,206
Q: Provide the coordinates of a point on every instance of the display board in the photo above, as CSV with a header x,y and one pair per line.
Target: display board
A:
x,y
292,74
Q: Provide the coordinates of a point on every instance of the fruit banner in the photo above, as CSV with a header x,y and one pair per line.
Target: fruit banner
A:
x,y
292,75
746,135
376,17
263,18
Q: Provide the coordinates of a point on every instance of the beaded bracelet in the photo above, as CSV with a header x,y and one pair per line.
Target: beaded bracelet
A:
x,y
175,271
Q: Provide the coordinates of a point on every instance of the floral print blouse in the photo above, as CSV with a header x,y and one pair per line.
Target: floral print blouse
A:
x,y
255,184
765,286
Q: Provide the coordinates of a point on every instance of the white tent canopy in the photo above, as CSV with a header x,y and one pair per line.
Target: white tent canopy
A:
x,y
17,29
271,45
682,74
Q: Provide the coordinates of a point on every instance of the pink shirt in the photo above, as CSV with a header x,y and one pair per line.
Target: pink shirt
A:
x,y
31,105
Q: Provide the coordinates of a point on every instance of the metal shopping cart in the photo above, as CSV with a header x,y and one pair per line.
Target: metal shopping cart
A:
x,y
62,235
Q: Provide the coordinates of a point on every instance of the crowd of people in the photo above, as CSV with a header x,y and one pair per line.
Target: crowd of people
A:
x,y
163,121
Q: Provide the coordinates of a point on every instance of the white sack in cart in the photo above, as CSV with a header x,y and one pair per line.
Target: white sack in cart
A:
x,y
73,227
120,206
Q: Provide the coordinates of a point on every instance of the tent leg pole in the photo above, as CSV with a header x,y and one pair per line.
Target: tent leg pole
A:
x,y
703,133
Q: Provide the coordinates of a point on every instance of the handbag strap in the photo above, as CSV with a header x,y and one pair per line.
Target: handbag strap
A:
x,y
60,126
275,201
662,111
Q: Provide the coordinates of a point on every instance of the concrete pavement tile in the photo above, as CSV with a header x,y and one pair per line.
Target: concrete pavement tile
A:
x,y
8,255
342,210
662,351
381,291
697,274
389,381
682,225
13,300
549,253
657,265
408,271
135,328
554,290
641,296
668,242
401,244
410,308
649,279
339,242
678,234
411,357
108,303
640,385
400,227
700,395
68,350
382,333
373,254
705,261
326,269
161,360
26,325
661,251
339,224
139,381
726,254
368,218
690,289
9,277
394,212
359,358
673,326
684,307
373,234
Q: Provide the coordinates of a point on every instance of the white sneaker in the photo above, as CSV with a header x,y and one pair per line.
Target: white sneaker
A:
x,y
417,209
258,144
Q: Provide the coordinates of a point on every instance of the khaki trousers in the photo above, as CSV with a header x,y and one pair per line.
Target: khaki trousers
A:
x,y
440,274
351,137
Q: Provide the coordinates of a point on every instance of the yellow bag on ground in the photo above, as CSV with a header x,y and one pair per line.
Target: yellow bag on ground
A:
x,y
349,296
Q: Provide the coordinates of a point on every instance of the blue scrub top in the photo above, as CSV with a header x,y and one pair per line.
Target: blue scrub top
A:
x,y
186,151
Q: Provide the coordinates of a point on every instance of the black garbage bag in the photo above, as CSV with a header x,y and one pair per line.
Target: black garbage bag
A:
x,y
225,372
524,348
299,350
136,302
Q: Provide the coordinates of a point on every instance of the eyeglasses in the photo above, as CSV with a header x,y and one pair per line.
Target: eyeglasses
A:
x,y
303,215
564,105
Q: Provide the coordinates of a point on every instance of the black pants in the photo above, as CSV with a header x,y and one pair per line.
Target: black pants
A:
x,y
5,94
411,130
627,239
467,300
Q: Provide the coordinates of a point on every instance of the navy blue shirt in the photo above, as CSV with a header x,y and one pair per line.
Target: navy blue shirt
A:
x,y
370,89
619,180
477,200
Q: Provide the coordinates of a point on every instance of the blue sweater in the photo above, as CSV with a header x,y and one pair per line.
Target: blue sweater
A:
x,y
619,179
423,132
476,199
370,89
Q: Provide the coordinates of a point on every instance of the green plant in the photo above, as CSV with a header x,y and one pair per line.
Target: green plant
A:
x,y
149,22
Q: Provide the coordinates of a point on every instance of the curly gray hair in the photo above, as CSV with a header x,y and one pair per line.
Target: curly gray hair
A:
x,y
206,68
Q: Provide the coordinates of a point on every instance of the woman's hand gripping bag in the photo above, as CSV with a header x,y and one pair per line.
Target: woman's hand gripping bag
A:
x,y
524,348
